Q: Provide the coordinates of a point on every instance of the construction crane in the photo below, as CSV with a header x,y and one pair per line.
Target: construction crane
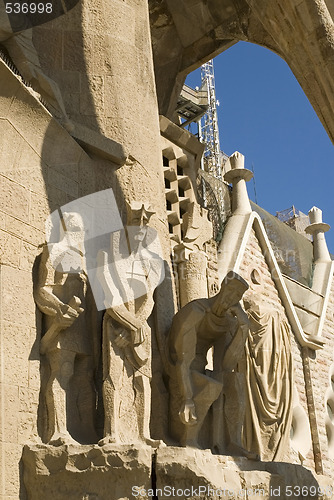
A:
x,y
208,125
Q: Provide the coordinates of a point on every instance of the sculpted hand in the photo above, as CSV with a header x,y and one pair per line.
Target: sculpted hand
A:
x,y
240,314
187,413
122,339
69,312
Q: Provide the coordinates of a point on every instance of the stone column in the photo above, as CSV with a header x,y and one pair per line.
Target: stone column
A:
x,y
317,228
238,176
192,275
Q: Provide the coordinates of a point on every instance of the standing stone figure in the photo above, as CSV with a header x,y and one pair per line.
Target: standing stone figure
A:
x,y
268,374
218,322
61,293
128,281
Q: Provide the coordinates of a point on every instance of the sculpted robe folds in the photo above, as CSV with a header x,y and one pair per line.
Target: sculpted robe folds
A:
x,y
269,382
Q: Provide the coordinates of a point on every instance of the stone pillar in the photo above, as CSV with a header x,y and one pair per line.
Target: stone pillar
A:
x,y
192,275
238,176
317,228
101,58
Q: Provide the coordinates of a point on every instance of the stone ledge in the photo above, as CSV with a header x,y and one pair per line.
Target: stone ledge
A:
x,y
98,144
112,472
236,477
87,472
180,137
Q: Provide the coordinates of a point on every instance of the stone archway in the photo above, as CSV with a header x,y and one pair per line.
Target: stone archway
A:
x,y
186,34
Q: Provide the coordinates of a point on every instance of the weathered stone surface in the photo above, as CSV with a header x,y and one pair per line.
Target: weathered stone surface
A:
x,y
124,473
100,56
234,478
86,472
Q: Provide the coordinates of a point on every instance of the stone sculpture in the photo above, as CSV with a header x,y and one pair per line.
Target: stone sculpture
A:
x,y
61,293
128,282
218,322
269,381
18,41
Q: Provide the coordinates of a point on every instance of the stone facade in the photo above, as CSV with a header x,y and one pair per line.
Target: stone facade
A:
x,y
88,121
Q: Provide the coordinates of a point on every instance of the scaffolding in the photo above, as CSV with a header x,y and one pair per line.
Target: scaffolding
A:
x,y
199,106
296,219
208,125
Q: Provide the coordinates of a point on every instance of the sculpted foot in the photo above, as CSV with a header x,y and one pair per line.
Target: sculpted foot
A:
x,y
155,443
242,452
59,439
251,455
108,439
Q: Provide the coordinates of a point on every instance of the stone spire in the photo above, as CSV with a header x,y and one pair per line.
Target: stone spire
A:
x,y
317,228
238,176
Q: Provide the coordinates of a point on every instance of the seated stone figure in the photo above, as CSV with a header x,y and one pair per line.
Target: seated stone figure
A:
x,y
218,322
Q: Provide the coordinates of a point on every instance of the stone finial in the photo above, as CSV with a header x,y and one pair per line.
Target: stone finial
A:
x,y
237,160
238,176
317,228
315,215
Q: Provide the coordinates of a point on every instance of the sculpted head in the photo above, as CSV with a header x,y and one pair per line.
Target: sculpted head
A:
x,y
72,228
138,215
231,291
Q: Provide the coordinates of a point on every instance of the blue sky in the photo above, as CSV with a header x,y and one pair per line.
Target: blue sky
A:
x,y
265,115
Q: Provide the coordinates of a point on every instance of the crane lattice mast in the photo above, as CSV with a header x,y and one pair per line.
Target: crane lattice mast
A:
x,y
208,127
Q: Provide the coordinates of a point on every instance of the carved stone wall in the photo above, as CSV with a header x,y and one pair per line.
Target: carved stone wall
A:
x,y
254,259
42,168
102,62
322,377
85,473
101,58
321,368
262,289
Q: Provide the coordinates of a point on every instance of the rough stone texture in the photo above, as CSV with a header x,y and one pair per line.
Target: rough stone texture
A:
x,y
86,472
266,292
300,388
313,389
91,472
126,345
219,323
254,258
37,175
184,468
100,56
322,368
